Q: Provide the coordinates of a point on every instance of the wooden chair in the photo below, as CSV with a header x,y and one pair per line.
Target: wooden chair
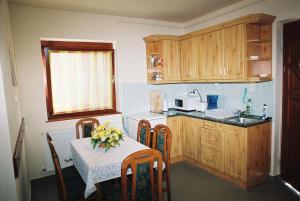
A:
x,y
141,164
87,125
72,189
161,140
144,132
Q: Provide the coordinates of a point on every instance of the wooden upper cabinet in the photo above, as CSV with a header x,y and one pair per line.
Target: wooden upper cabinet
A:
x,y
171,57
224,53
163,61
212,58
192,67
233,52
239,50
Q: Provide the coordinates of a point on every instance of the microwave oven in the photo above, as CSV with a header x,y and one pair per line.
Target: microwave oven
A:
x,y
185,103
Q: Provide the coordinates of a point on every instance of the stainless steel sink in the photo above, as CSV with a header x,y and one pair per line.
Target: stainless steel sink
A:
x,y
244,120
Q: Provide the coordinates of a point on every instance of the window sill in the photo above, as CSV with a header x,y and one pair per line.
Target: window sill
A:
x,y
64,117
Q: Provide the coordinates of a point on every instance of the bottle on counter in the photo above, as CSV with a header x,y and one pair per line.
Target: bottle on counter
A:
x,y
249,107
265,111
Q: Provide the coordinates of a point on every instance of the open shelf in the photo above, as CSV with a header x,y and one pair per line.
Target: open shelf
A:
x,y
259,47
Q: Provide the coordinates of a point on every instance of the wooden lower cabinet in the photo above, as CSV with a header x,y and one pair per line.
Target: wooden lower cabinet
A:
x,y
175,125
239,155
234,151
191,133
211,158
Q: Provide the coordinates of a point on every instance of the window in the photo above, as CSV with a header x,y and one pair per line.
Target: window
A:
x,y
79,78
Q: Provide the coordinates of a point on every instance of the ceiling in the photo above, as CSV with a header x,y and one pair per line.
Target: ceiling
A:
x,y
167,10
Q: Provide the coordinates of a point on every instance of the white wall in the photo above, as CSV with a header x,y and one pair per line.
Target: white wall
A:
x,y
10,118
284,10
31,24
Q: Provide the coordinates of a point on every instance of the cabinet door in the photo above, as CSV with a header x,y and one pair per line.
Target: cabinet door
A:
x,y
191,130
175,125
171,60
212,54
187,62
191,59
234,151
233,52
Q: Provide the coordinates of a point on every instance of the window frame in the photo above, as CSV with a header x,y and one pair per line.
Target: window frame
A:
x,y
73,46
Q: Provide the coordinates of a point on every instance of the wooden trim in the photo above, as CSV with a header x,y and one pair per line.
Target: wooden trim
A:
x,y
176,159
73,46
153,38
70,45
79,116
260,17
252,18
18,149
239,183
246,80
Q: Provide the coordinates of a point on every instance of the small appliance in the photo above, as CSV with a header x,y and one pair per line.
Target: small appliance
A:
x,y
212,102
186,103
131,122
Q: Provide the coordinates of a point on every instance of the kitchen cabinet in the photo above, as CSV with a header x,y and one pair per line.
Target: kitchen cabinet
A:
x,y
259,51
239,50
234,151
212,58
233,52
224,53
175,125
191,137
192,67
163,60
211,145
237,154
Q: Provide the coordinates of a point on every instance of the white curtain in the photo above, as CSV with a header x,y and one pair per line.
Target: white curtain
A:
x,y
81,80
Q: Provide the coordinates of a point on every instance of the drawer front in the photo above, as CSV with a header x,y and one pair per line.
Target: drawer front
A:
x,y
211,124
211,158
211,139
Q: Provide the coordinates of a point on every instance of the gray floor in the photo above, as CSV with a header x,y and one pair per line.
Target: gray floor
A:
x,y
190,183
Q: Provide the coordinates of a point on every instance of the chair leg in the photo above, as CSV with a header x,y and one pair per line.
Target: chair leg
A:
x,y
98,193
169,188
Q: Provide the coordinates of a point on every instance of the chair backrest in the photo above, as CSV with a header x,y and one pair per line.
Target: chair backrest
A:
x,y
62,193
87,125
144,132
161,140
141,164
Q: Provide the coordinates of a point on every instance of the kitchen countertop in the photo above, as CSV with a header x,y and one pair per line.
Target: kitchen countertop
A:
x,y
201,115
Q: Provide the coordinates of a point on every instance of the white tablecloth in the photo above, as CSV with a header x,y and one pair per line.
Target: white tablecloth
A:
x,y
96,165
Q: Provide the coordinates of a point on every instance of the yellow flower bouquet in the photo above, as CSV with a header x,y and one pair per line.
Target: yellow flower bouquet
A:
x,y
106,136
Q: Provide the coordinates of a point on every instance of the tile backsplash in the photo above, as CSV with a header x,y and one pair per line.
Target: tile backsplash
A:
x,y
231,95
134,97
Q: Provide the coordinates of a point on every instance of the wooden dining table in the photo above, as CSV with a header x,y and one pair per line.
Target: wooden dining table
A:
x,y
97,165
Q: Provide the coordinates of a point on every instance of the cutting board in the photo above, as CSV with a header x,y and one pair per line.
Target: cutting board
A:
x,y
156,101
